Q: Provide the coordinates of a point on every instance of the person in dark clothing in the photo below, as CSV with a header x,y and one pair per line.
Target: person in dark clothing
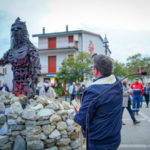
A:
x,y
4,88
81,91
105,115
147,94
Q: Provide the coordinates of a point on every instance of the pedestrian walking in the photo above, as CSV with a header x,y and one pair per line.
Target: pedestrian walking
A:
x,y
72,91
105,115
147,94
66,91
81,91
137,92
127,102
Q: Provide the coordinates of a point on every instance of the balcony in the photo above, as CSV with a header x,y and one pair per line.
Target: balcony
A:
x,y
44,69
58,50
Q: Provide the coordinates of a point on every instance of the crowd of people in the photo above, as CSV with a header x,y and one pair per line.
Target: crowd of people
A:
x,y
133,95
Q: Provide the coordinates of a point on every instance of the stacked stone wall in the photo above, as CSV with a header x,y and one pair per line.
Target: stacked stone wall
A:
x,y
44,124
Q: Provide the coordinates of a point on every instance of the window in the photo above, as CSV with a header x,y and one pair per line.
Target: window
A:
x,y
70,39
52,43
70,56
4,70
51,64
76,44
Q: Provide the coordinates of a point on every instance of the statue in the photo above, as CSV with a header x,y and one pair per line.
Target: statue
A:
x,y
24,59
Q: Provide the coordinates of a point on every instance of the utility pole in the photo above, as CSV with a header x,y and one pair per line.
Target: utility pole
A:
x,y
105,42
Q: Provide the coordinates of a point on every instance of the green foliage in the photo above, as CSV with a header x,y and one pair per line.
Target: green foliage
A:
x,y
135,63
59,91
120,69
76,68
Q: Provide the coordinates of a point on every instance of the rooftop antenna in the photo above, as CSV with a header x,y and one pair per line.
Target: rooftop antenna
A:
x,y
66,28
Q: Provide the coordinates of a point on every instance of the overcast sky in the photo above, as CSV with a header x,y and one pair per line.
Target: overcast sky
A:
x,y
125,22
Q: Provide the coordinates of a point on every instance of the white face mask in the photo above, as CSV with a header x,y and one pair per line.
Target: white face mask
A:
x,y
45,84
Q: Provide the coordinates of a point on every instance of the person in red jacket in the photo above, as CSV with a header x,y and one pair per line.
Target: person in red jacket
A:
x,y
138,91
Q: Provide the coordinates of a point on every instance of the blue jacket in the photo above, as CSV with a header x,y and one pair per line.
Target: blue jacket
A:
x,y
105,113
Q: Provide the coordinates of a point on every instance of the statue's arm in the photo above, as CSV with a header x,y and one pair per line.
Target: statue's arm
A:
x,y
4,59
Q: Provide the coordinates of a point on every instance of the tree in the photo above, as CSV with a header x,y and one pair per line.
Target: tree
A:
x,y
75,68
120,69
137,63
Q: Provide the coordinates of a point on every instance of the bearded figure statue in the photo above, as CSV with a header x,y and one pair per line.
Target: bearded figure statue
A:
x,y
24,59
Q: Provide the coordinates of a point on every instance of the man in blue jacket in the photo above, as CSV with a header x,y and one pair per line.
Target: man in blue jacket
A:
x,y
105,116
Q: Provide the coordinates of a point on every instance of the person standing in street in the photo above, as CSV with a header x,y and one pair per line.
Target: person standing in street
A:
x,y
105,112
127,102
72,91
47,90
4,88
147,94
66,91
137,92
81,91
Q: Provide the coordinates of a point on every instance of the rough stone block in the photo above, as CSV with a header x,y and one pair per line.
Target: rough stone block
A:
x,y
54,134
45,114
16,127
61,125
2,107
4,129
3,140
55,118
35,145
47,129
29,114
16,108
19,143
7,146
42,122
63,142
2,118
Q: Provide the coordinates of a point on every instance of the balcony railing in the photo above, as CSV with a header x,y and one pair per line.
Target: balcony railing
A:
x,y
61,45
44,69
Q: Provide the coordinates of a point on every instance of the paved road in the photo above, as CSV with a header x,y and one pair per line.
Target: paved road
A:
x,y
135,137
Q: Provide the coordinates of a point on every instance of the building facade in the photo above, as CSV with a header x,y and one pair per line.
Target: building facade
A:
x,y
55,47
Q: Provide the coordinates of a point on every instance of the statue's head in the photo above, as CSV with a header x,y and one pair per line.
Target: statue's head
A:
x,y
19,34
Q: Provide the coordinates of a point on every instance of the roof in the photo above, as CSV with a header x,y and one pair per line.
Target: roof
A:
x,y
66,33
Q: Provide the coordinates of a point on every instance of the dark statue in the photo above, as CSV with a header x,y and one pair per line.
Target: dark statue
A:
x,y
24,59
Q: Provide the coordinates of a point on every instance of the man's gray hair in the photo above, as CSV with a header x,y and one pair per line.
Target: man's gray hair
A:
x,y
104,64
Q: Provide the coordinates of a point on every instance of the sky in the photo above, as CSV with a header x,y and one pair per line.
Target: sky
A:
x,y
125,22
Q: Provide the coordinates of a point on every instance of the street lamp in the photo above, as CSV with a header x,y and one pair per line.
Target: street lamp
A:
x,y
105,42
